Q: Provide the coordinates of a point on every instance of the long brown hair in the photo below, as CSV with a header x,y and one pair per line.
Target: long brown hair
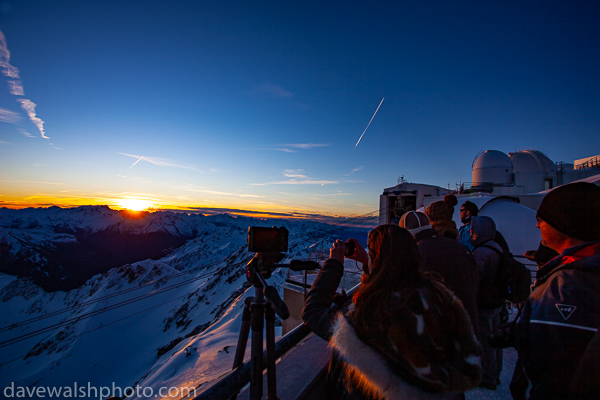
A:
x,y
394,269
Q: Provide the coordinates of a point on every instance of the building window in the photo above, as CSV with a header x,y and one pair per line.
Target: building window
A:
x,y
548,184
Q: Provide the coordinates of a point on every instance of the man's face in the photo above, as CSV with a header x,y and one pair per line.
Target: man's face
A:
x,y
551,237
464,214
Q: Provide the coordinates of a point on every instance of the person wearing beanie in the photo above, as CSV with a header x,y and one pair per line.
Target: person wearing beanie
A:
x,y
468,210
414,222
446,257
561,315
440,214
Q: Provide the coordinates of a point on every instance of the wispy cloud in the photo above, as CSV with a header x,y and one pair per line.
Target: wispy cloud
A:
x,y
272,90
9,116
294,147
297,177
35,182
198,189
7,69
15,87
354,170
29,107
161,162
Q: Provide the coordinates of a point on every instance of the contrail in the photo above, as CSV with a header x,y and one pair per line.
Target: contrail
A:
x,y
375,113
138,160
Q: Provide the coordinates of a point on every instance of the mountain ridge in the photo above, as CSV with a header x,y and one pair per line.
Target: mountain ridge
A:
x,y
154,322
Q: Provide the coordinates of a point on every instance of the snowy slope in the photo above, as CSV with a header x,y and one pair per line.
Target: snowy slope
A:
x,y
171,322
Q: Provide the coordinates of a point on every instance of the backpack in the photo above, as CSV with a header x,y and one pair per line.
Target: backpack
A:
x,y
513,278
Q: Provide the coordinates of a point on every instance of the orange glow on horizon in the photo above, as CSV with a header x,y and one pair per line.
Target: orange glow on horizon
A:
x,y
135,204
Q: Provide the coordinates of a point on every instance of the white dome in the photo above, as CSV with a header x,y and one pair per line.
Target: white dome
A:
x,y
531,161
492,166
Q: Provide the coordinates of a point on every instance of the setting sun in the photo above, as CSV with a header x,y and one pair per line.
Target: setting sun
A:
x,y
134,204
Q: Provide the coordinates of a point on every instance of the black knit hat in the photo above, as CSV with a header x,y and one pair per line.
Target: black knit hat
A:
x,y
574,210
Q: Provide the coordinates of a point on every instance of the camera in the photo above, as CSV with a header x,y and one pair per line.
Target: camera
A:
x,y
349,248
267,240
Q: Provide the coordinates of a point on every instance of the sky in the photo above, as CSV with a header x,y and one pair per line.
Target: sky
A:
x,y
260,105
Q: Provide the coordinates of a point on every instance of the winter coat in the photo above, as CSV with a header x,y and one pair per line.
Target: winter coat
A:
x,y
487,262
464,235
454,263
558,321
401,366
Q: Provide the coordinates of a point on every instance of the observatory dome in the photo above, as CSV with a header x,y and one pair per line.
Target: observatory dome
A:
x,y
531,161
492,166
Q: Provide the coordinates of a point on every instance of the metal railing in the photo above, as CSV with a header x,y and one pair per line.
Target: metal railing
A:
x,y
232,383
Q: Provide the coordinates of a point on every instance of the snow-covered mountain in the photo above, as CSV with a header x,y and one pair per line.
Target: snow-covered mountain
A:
x,y
168,321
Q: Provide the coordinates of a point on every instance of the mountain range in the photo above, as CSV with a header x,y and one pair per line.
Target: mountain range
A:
x,y
100,298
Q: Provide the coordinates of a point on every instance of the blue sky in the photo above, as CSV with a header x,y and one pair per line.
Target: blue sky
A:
x,y
259,105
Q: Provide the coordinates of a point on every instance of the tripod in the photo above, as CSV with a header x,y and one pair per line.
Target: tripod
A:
x,y
258,309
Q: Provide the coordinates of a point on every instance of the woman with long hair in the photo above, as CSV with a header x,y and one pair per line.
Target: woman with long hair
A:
x,y
404,335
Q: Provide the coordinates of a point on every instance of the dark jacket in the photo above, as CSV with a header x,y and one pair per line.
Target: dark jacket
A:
x,y
487,262
382,370
454,263
559,320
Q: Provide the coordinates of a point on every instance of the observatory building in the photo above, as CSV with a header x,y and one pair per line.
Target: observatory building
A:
x,y
525,171
522,176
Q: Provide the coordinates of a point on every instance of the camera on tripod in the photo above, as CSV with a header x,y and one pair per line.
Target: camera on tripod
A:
x,y
270,245
267,240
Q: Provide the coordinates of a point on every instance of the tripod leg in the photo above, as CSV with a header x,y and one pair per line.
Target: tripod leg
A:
x,y
257,324
240,350
271,371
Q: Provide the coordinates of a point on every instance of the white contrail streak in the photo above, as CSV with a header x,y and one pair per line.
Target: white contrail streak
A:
x,y
375,113
138,160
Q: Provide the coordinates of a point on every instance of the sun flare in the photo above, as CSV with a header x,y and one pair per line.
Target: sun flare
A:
x,y
134,204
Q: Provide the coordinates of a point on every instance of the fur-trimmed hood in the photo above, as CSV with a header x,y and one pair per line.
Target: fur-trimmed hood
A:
x,y
397,370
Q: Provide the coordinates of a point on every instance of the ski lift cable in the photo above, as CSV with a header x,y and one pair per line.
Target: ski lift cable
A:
x,y
97,312
105,325
107,297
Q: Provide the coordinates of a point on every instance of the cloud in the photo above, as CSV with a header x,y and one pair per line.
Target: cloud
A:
x,y
16,88
35,182
292,147
294,173
307,145
7,69
272,90
297,177
9,116
354,170
161,162
195,189
29,107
